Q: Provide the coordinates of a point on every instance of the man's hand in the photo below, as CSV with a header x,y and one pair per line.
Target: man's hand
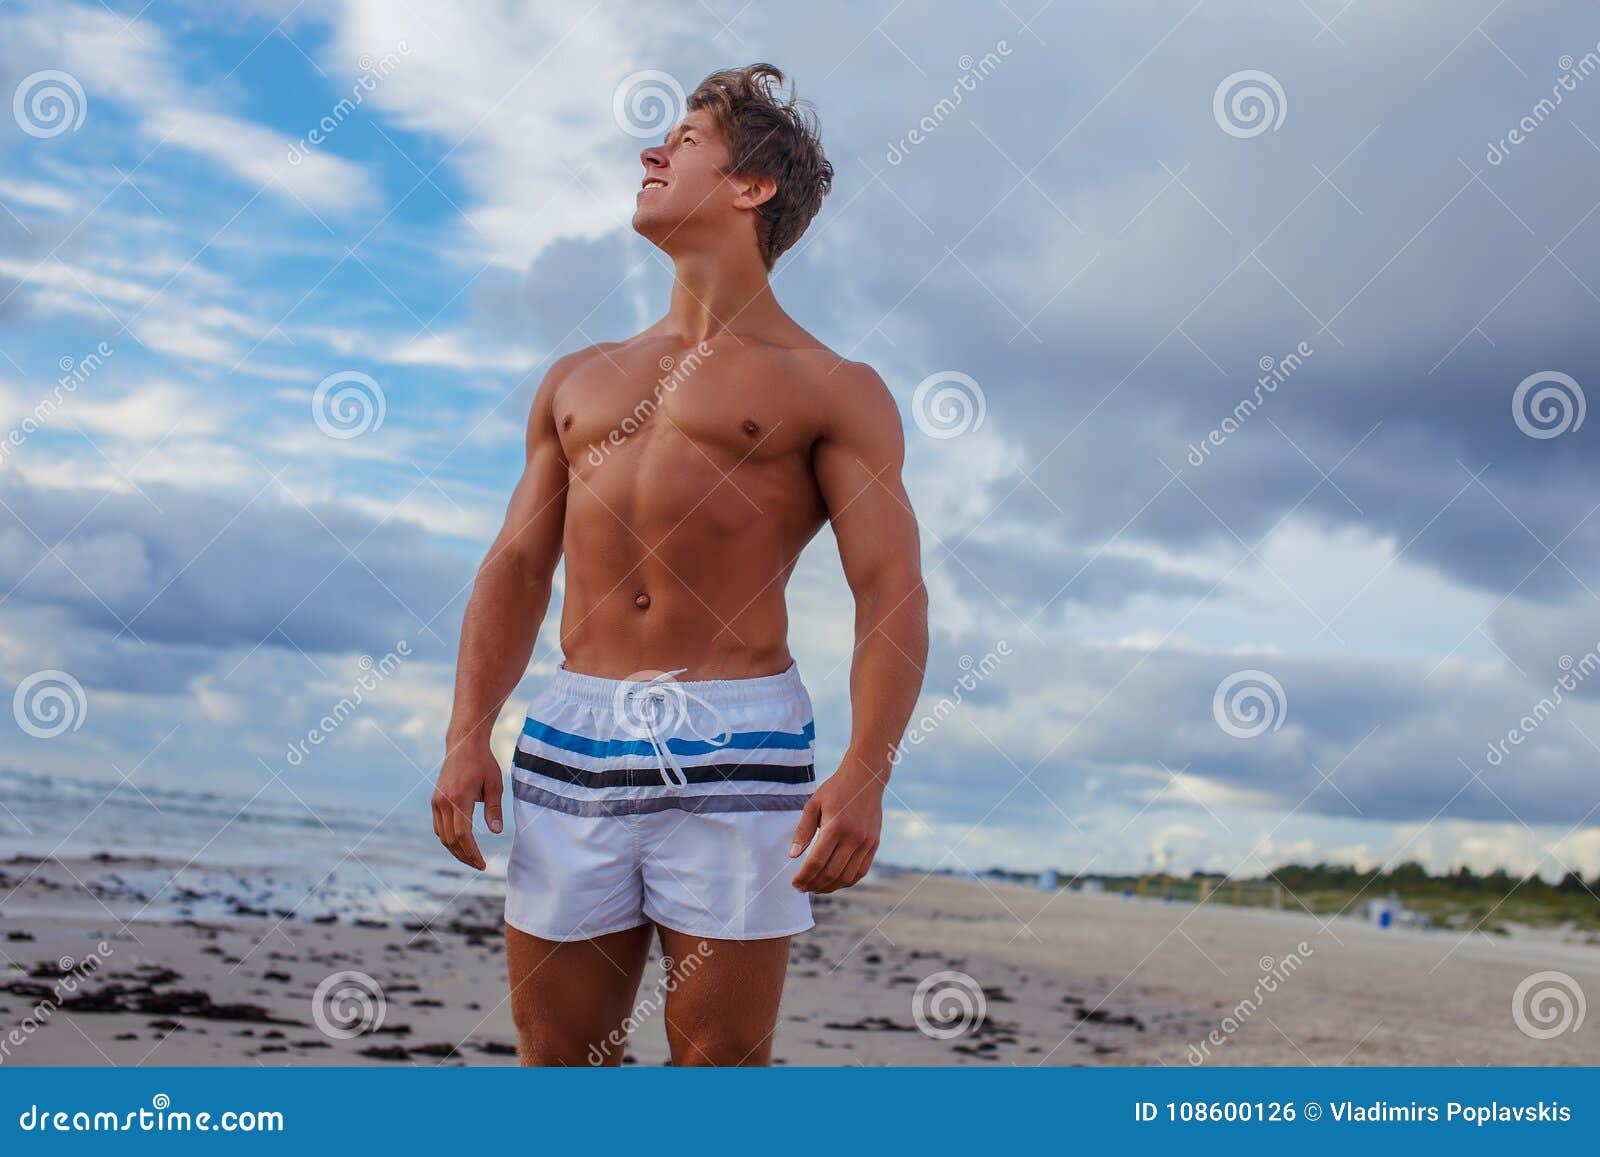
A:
x,y
849,811
469,776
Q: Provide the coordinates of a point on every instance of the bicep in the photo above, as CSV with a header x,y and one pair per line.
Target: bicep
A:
x,y
859,464
536,514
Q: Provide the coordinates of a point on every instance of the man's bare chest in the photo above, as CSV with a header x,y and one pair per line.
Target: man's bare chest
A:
x,y
730,406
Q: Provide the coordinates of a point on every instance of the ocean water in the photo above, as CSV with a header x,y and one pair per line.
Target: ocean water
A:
x,y
168,854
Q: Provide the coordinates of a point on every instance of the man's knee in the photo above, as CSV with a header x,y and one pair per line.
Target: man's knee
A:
x,y
723,1046
542,1040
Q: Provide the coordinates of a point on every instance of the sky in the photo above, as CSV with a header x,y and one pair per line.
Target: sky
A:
x,y
1242,351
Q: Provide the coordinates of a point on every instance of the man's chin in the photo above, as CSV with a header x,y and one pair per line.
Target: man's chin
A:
x,y
650,226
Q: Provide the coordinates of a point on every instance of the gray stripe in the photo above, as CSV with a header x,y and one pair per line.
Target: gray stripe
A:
x,y
721,802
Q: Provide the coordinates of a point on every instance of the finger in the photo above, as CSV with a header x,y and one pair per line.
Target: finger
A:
x,y
827,877
820,851
493,790
856,867
810,821
465,846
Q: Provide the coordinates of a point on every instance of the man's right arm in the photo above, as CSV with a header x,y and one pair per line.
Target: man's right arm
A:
x,y
501,625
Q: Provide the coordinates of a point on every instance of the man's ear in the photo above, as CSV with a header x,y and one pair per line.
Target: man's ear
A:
x,y
753,192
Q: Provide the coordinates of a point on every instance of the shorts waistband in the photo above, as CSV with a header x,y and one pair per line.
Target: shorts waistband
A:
x,y
784,687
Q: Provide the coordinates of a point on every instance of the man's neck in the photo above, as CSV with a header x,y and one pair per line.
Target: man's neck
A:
x,y
715,293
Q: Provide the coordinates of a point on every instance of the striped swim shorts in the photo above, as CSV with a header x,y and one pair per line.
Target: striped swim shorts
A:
x,y
649,800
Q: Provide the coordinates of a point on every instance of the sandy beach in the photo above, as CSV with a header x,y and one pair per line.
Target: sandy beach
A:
x,y
1065,979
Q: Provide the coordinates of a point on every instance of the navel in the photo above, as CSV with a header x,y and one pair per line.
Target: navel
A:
x,y
642,601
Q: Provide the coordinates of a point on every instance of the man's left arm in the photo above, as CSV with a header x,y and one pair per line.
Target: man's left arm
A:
x,y
858,462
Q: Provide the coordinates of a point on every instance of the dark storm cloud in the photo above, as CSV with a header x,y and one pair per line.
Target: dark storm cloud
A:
x,y
1355,739
575,294
211,572
1181,236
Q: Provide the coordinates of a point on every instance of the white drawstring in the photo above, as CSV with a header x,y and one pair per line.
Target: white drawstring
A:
x,y
650,698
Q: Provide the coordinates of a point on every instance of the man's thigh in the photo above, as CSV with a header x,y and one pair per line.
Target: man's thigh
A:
x,y
722,1003
570,999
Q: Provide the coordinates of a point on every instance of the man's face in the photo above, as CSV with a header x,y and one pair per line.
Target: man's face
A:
x,y
683,180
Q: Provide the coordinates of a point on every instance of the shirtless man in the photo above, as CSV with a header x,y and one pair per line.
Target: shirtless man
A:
x,y
663,783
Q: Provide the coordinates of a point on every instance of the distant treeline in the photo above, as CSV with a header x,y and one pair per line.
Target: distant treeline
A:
x,y
1408,877
1413,877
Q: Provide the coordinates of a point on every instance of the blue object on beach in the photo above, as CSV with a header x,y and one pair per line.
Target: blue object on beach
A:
x,y
1386,918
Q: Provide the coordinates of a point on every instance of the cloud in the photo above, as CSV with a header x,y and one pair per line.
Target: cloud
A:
x,y
132,64
183,567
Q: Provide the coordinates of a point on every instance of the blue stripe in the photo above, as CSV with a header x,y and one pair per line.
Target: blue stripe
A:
x,y
611,748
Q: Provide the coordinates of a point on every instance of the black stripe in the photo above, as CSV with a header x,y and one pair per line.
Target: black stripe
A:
x,y
644,776
649,805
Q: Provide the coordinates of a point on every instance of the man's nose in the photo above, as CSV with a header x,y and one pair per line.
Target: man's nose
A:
x,y
653,157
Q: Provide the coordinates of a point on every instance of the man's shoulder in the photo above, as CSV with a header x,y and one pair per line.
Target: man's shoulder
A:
x,y
566,363
826,371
